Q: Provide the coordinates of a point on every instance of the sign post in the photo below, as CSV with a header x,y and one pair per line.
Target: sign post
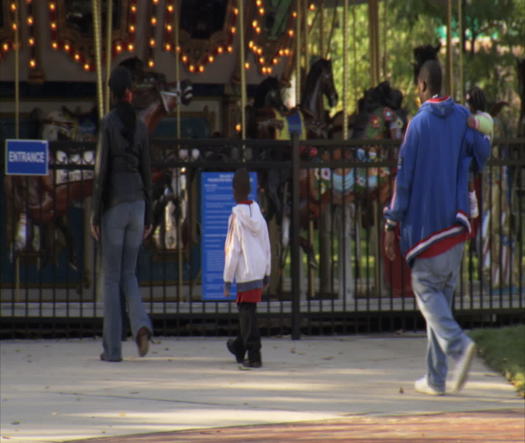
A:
x,y
26,157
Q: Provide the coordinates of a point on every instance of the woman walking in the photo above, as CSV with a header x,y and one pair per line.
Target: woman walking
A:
x,y
121,216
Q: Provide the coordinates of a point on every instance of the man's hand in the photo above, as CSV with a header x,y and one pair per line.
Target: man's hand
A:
x,y
227,292
95,232
147,231
390,238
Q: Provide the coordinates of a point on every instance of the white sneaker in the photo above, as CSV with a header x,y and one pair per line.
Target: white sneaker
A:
x,y
423,387
463,367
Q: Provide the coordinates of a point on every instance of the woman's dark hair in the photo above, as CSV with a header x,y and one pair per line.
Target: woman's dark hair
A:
x,y
119,81
476,99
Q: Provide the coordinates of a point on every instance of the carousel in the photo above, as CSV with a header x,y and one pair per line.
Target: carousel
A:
x,y
219,83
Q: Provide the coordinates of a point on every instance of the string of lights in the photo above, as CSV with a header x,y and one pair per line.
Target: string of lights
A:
x,y
266,52
8,44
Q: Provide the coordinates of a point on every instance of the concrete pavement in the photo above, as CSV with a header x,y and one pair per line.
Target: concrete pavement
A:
x,y
59,390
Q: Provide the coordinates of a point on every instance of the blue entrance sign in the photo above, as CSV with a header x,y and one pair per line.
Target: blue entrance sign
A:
x,y
216,206
26,157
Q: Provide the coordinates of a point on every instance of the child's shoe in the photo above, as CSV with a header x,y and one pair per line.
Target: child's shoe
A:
x,y
239,357
254,360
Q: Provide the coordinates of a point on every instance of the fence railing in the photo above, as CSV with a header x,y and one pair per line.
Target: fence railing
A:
x,y
323,201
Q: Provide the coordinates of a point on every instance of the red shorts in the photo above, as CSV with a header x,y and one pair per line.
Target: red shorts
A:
x,y
251,296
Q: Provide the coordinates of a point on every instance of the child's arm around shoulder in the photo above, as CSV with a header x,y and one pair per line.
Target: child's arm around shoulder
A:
x,y
482,122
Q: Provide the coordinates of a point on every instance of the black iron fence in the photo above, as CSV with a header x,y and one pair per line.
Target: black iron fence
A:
x,y
323,201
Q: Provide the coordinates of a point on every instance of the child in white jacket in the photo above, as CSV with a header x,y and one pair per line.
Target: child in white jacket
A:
x,y
247,261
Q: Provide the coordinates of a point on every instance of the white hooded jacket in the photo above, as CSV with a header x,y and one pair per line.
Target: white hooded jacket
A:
x,y
247,257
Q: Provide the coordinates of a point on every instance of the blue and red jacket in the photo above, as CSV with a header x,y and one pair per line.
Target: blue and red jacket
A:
x,y
430,201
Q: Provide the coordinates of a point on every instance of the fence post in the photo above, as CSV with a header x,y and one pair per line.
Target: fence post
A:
x,y
295,252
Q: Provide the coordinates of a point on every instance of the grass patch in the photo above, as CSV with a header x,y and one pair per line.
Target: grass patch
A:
x,y
503,349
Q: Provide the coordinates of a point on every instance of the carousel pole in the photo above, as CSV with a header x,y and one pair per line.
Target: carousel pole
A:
x,y
345,70
298,53
243,74
449,49
17,68
321,28
305,36
176,28
354,49
373,32
16,26
385,40
179,135
461,91
306,8
95,4
109,32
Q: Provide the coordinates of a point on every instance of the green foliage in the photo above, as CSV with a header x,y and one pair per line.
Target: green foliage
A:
x,y
494,33
503,350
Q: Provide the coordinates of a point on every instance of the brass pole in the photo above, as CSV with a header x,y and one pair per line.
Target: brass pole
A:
x,y
385,30
449,49
17,69
461,91
305,36
17,120
321,28
373,33
98,62
109,36
345,70
354,49
243,71
297,53
176,29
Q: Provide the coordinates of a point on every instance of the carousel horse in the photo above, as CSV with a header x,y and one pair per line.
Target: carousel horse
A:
x,y
38,205
267,101
350,193
269,118
307,120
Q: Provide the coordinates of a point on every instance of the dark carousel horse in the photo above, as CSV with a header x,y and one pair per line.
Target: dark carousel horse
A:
x,y
38,206
270,119
353,192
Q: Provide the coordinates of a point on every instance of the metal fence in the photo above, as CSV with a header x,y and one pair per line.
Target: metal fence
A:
x,y
323,202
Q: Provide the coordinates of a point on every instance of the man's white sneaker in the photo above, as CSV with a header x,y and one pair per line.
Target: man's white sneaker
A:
x,y
462,368
423,387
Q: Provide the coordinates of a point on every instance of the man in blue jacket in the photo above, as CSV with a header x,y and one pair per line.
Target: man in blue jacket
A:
x,y
430,205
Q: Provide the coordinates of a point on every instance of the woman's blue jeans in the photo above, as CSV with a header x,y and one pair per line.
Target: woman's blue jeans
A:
x,y
122,235
433,282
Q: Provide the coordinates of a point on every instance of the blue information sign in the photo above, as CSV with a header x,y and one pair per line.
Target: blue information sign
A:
x,y
26,157
216,206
